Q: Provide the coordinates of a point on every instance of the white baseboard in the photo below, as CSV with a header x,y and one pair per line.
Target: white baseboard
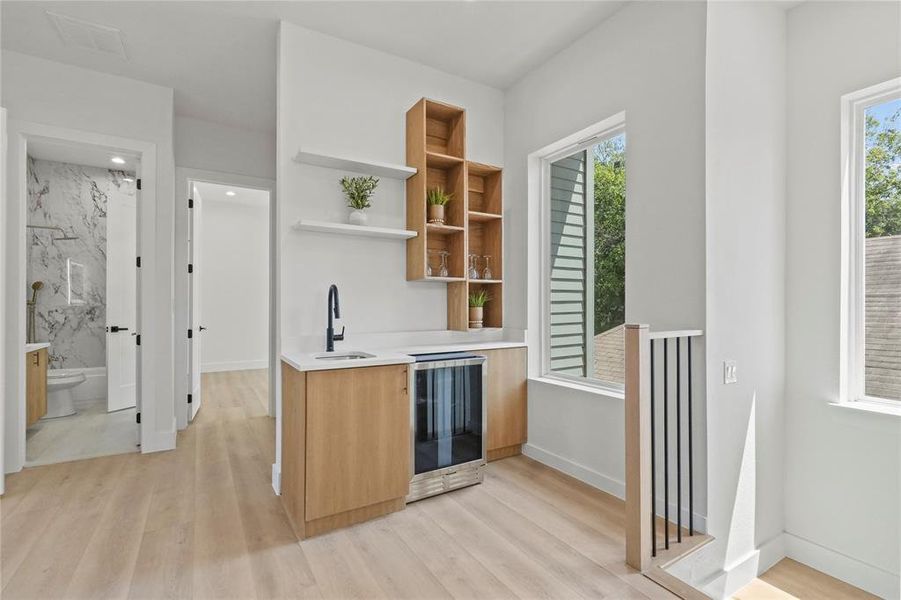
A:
x,y
276,480
867,577
771,552
604,483
574,469
723,583
234,365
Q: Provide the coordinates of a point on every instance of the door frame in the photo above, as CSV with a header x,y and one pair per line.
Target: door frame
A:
x,y
18,134
185,177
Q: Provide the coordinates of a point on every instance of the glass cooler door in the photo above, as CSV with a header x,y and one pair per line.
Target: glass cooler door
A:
x,y
448,416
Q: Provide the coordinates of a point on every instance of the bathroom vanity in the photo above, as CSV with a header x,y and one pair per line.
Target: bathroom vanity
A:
x,y
35,383
347,431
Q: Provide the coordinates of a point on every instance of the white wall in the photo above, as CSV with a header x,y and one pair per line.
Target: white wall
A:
x,y
842,467
344,99
216,147
49,93
234,281
648,60
745,146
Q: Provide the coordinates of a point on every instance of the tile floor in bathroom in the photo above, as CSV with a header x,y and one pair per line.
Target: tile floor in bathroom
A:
x,y
89,433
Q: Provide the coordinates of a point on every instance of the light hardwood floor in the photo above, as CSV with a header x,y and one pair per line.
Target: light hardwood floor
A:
x,y
790,579
202,522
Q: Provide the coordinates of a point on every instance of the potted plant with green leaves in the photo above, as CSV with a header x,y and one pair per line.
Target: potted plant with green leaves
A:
x,y
358,191
437,199
477,301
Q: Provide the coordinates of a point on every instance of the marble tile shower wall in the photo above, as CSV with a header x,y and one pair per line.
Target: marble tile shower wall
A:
x,y
71,307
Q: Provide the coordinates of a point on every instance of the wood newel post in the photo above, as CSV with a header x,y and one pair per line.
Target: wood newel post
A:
x,y
638,447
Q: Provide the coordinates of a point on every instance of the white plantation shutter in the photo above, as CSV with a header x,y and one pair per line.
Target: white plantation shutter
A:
x,y
571,297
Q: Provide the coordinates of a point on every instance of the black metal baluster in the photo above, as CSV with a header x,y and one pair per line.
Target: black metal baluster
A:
x,y
679,440
691,511
653,465
666,442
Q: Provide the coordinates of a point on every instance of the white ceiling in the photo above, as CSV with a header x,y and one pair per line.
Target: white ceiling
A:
x,y
215,192
81,154
220,56
221,65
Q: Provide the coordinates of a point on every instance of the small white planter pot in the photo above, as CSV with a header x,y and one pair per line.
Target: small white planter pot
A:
x,y
358,217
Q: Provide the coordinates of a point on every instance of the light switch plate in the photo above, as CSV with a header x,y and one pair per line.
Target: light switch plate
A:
x,y
730,371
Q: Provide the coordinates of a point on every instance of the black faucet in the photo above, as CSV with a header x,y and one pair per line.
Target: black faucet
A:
x,y
333,311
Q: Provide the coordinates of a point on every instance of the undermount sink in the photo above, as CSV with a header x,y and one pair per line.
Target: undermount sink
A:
x,y
343,355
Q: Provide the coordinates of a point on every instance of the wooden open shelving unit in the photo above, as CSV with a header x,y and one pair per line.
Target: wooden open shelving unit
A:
x,y
436,148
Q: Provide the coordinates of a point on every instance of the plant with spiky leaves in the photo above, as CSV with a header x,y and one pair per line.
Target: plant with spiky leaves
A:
x,y
479,298
438,197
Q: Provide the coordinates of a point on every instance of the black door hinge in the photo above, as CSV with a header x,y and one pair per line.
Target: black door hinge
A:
x,y
190,267
190,202
138,262
138,339
138,417
189,399
139,184
190,334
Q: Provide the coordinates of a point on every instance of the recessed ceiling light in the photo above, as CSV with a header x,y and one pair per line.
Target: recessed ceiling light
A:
x,y
118,160
229,193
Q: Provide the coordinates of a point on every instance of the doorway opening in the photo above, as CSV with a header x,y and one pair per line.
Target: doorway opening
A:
x,y
81,311
229,300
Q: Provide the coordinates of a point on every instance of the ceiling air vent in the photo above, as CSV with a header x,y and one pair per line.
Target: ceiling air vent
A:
x,y
99,38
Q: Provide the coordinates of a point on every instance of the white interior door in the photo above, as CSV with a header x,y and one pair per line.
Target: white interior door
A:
x,y
194,342
121,301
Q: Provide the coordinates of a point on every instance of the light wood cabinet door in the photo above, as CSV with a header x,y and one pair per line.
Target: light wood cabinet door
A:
x,y
358,438
507,406
35,386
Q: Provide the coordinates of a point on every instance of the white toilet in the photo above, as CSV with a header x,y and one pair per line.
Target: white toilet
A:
x,y
59,391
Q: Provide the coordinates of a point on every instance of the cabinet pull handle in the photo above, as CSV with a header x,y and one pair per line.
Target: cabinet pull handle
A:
x,y
37,359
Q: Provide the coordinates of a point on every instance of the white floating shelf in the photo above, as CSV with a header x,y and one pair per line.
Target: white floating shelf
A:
x,y
357,166
346,229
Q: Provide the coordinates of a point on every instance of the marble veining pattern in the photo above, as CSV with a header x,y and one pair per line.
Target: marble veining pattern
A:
x,y
75,198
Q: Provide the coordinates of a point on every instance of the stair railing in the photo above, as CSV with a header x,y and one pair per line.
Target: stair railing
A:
x,y
658,384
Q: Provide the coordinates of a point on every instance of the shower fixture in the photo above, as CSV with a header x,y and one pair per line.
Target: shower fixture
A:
x,y
63,238
31,304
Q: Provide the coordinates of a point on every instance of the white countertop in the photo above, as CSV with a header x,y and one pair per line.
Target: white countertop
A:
x,y
307,361
36,346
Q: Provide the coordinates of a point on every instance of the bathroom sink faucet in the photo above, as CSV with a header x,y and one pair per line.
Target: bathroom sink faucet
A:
x,y
333,312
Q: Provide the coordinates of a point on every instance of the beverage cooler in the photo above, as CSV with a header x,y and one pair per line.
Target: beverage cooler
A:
x,y
448,422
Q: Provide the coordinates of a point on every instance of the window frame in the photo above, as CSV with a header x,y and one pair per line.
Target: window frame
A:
x,y
586,139
853,170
